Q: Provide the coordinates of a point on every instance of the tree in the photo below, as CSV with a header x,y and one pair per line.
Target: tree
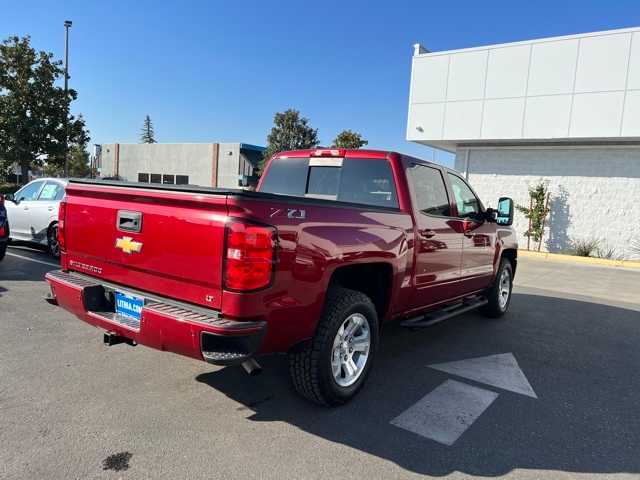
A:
x,y
33,109
147,135
78,164
349,139
290,132
536,212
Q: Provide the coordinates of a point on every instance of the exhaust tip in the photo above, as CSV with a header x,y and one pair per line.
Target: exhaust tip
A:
x,y
252,367
50,298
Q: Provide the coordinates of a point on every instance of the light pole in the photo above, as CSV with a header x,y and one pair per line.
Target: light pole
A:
x,y
67,24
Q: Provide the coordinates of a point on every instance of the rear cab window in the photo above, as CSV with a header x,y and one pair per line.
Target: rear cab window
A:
x,y
354,180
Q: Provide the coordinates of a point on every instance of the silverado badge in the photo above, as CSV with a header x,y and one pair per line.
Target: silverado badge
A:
x,y
128,245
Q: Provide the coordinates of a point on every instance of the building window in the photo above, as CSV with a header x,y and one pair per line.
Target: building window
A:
x,y
182,179
143,177
168,179
156,178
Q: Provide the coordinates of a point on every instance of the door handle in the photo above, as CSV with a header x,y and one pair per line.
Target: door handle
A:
x,y
50,209
25,208
427,233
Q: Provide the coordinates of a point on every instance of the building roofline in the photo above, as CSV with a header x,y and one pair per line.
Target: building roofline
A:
x,y
420,51
248,146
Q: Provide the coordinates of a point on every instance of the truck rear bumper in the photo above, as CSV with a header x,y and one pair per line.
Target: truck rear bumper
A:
x,y
164,324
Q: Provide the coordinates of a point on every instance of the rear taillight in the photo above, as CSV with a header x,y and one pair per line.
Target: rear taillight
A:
x,y
249,256
62,210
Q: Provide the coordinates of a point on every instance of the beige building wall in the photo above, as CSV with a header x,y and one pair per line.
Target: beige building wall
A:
x,y
205,164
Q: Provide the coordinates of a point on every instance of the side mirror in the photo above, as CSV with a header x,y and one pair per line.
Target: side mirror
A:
x,y
9,197
505,211
491,215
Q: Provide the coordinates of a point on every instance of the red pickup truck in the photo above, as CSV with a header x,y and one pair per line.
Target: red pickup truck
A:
x,y
333,244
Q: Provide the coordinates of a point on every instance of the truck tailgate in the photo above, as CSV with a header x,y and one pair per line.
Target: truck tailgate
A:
x,y
166,242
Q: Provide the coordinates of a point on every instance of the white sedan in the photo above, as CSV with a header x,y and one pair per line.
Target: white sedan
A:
x,y
33,212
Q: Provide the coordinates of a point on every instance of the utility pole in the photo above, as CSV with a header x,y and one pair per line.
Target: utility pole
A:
x,y
67,24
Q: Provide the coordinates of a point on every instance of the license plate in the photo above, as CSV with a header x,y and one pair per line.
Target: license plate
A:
x,y
129,306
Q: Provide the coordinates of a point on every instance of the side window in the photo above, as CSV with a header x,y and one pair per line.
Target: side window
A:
x,y
29,192
51,192
143,177
431,194
467,203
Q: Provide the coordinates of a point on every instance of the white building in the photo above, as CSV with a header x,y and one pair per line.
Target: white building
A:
x,y
227,165
562,109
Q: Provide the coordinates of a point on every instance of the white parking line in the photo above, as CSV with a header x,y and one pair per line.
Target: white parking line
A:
x,y
447,412
29,259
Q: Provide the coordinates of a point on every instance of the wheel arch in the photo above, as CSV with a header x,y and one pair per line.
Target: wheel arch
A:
x,y
511,254
373,279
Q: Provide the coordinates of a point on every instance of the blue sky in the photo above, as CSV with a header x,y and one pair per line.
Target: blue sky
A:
x,y
218,71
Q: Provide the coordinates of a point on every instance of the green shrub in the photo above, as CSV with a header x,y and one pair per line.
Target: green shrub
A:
x,y
607,252
8,188
584,248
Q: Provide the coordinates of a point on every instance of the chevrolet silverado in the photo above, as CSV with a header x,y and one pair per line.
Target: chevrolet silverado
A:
x,y
332,245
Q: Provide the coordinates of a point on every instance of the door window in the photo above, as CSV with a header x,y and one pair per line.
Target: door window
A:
x,y
29,192
467,203
430,192
52,192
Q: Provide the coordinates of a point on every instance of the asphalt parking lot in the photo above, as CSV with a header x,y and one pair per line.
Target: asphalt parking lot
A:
x,y
73,408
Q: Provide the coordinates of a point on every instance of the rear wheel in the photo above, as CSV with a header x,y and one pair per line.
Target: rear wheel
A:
x,y
52,241
3,249
499,295
333,367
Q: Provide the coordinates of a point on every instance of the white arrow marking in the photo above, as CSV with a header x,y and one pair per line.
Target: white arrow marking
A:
x,y
446,413
500,371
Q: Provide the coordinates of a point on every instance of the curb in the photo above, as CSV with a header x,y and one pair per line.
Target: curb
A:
x,y
558,257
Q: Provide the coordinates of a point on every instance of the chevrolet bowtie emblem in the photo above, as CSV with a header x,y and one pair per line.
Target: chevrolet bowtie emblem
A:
x,y
128,245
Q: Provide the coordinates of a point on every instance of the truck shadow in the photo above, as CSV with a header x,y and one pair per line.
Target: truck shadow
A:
x,y
579,357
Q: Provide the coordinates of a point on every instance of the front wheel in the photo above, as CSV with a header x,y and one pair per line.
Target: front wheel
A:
x,y
52,241
332,368
499,295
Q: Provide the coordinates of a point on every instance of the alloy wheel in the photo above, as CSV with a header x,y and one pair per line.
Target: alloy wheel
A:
x,y
351,347
504,289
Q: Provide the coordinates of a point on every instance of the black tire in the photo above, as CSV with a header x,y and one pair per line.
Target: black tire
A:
x,y
3,249
497,306
310,366
52,240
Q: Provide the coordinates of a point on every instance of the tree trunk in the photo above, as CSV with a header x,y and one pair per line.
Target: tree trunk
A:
x,y
24,172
